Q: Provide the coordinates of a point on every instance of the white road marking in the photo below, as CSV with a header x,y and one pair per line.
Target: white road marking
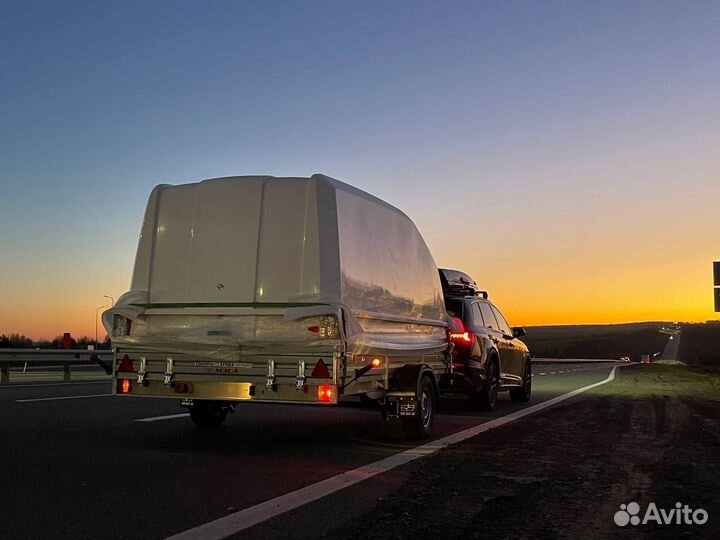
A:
x,y
542,373
166,417
60,398
244,519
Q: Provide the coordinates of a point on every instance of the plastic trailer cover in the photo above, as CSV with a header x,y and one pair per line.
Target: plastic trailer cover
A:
x,y
218,256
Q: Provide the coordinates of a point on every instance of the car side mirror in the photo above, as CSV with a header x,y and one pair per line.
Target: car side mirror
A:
x,y
518,331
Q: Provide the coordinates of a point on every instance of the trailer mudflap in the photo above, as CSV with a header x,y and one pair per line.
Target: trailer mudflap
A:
x,y
400,405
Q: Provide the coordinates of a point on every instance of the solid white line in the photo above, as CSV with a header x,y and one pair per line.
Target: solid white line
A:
x,y
244,519
60,398
166,417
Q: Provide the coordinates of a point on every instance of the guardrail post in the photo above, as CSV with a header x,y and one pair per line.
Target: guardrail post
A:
x,y
66,371
4,373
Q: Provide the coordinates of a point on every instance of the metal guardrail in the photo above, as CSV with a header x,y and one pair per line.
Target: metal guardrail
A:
x,y
572,360
65,358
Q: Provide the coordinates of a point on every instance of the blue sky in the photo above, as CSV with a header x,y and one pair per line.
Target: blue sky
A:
x,y
548,128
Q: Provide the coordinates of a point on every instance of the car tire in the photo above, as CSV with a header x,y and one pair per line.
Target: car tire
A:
x,y
486,398
522,394
420,426
208,414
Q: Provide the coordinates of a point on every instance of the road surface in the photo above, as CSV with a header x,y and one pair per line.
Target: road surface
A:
x,y
81,464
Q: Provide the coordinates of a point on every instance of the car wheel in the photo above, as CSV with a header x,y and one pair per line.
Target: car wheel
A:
x,y
486,398
522,394
208,414
420,426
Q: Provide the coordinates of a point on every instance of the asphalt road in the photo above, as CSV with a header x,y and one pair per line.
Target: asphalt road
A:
x,y
77,463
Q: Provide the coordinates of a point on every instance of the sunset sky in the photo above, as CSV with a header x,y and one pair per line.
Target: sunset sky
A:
x,y
565,154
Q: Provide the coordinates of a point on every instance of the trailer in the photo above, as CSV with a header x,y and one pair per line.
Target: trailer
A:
x,y
280,290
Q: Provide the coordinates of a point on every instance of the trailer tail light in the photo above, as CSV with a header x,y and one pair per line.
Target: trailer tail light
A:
x,y
326,393
376,362
121,326
125,365
320,370
124,386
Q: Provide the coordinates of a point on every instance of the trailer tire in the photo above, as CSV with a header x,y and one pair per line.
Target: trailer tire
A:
x,y
420,426
208,414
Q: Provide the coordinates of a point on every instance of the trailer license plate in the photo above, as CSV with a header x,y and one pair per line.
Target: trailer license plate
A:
x,y
407,409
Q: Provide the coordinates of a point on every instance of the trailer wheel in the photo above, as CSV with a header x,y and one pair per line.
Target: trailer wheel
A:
x,y
420,426
208,414
522,394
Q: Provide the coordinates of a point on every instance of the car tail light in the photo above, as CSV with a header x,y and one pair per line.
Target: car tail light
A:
x,y
459,335
125,365
121,326
326,393
124,386
320,370
466,338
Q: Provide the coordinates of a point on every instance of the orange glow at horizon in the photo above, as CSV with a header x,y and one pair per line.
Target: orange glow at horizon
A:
x,y
593,256
678,290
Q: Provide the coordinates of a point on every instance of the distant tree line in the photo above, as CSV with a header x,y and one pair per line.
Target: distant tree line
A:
x,y
700,343
19,341
595,341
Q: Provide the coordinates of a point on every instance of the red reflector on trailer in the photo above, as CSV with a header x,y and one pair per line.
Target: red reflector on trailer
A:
x,y
125,365
320,370
314,329
326,392
183,388
124,386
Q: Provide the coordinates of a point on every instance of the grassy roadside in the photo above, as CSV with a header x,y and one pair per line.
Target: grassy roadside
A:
x,y
653,435
655,380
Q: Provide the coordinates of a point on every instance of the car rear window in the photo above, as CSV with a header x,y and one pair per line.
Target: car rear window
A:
x,y
455,308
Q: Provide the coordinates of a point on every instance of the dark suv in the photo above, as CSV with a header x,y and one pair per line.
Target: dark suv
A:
x,y
488,356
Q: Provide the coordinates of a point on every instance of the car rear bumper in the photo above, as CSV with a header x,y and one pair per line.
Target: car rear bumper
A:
x,y
464,378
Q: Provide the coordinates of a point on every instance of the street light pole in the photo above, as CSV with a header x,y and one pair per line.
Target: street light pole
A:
x,y
96,319
112,300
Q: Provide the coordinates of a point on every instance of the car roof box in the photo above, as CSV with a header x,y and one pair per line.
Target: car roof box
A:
x,y
457,283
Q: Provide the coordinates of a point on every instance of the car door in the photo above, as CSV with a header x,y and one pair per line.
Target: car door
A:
x,y
515,357
503,345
